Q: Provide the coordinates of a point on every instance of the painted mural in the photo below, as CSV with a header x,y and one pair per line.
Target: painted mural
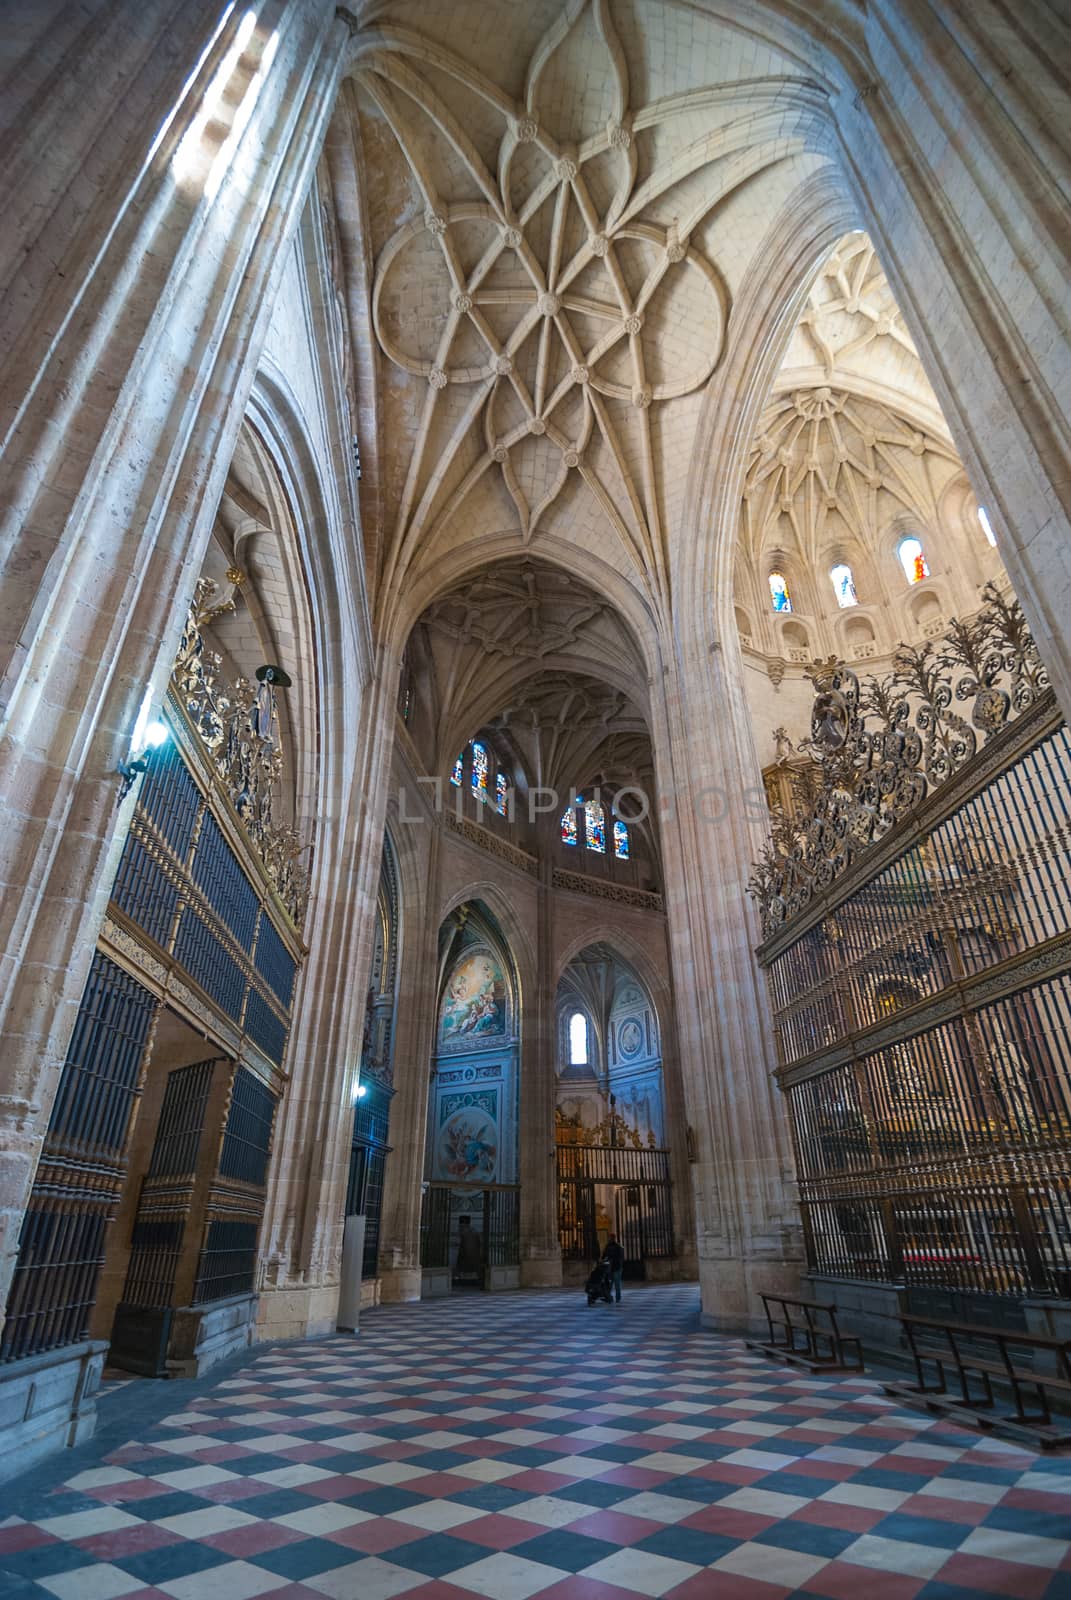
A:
x,y
466,1148
474,1006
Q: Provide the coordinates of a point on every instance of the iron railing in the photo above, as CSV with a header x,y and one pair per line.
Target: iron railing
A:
x,y
922,1012
79,1177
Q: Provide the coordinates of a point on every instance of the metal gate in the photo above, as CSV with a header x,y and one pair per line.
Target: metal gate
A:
x,y
641,1202
494,1216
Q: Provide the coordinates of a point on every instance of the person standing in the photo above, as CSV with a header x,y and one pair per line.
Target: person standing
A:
x,y
615,1256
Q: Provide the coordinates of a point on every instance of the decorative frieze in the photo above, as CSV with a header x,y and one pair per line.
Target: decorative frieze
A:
x,y
238,725
475,834
604,889
878,748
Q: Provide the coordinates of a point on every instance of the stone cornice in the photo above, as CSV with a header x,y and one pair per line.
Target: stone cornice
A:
x,y
603,889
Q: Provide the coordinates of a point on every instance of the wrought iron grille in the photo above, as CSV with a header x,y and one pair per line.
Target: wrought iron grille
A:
x,y
495,1215
228,1260
265,1028
169,798
225,885
368,1160
144,892
61,1246
155,1247
182,881
275,963
182,1115
639,1185
247,1136
208,960
922,1013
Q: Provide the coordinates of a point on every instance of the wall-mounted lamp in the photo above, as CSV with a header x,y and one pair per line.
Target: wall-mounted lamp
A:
x,y
360,1091
148,735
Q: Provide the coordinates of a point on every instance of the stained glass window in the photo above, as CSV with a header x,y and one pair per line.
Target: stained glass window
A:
x,y
569,825
620,840
501,790
594,827
578,1040
844,585
480,770
912,560
782,600
987,526
459,771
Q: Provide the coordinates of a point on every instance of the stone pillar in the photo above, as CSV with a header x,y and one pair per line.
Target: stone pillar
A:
x,y
301,1238
414,1043
747,1230
127,373
955,145
541,1256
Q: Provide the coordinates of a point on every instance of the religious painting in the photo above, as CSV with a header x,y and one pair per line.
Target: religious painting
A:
x,y
467,1146
474,1006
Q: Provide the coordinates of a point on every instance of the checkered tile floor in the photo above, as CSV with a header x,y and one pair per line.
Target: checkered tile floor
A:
x,y
528,1445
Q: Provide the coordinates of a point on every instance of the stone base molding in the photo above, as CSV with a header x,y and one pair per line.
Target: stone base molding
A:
x,y
48,1402
201,1336
307,1312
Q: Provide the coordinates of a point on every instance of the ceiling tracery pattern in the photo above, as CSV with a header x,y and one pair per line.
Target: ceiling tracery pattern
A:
x,y
551,283
828,467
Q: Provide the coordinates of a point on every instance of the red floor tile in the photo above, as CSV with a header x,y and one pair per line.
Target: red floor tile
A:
x,y
843,1581
615,1527
827,1514
375,1537
499,1531
969,1513
253,1539
983,1575
728,1521
24,1536
726,1586
127,1542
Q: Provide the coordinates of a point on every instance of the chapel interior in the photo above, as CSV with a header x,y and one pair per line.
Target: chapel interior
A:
x,y
536,568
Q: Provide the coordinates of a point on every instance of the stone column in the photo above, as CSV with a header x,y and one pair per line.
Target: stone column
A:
x,y
747,1229
146,253
541,1256
955,145
414,1043
301,1238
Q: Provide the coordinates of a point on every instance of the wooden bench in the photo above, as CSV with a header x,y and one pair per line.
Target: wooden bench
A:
x,y
976,1355
805,1333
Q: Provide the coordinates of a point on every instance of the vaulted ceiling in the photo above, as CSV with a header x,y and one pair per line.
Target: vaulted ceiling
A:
x,y
526,649
562,202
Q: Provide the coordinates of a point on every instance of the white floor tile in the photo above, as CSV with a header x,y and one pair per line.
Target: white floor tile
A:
x,y
642,1572
896,1555
505,1576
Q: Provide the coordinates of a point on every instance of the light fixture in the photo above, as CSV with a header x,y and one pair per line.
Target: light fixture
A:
x,y
360,1091
149,734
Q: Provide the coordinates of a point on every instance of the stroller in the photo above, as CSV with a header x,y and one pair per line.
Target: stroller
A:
x,y
600,1285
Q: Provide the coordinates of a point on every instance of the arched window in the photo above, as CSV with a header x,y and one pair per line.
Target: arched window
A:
x,y
578,1040
480,769
595,827
987,526
843,585
479,761
569,825
782,600
912,559
620,840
